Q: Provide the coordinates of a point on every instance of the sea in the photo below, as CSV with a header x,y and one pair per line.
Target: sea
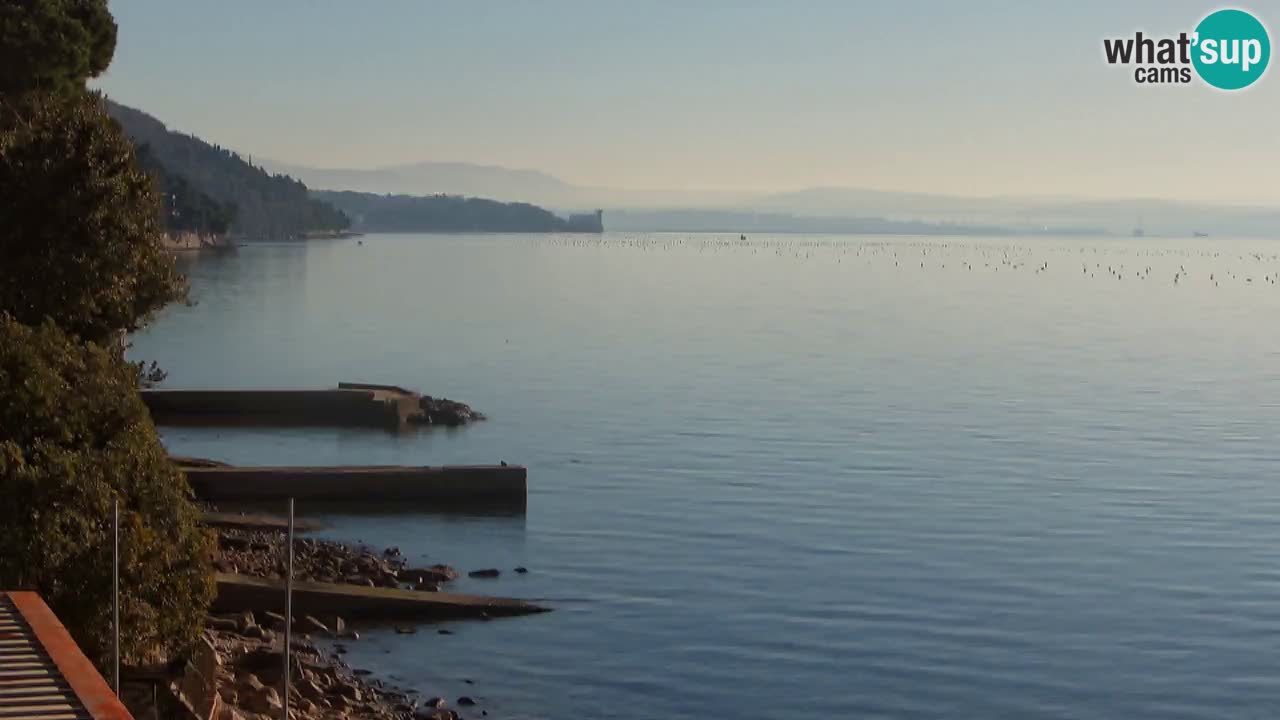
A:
x,y
798,476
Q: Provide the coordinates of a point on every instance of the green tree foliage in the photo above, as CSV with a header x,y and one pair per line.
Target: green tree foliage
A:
x,y
81,262
53,45
74,436
267,206
182,206
79,222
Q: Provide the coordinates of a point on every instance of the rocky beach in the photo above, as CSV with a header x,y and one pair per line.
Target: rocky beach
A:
x,y
240,655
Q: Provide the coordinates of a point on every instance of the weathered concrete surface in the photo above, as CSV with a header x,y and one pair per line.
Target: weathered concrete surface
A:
x,y
243,592
184,461
505,484
253,521
367,407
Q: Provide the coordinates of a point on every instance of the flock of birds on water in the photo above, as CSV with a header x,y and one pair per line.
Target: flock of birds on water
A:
x,y
1114,261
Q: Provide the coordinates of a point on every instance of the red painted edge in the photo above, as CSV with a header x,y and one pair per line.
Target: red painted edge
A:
x,y
94,692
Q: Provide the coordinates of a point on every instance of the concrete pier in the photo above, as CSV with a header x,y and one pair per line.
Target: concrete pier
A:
x,y
461,484
351,404
244,592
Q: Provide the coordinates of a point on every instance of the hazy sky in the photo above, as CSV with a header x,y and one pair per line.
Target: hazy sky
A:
x,y
970,97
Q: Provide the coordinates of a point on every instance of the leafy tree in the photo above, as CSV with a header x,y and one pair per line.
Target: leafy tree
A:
x,y
74,436
81,263
79,222
53,45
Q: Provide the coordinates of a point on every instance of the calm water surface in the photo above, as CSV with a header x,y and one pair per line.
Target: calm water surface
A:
x,y
803,477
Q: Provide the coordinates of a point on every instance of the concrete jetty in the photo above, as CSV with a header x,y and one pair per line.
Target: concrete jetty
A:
x,y
254,521
349,404
460,484
245,592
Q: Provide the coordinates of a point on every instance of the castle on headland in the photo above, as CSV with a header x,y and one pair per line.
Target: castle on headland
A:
x,y
585,222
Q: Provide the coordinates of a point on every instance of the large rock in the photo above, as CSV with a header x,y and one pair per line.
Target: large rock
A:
x,y
198,685
441,714
265,701
312,625
310,690
223,624
433,574
248,683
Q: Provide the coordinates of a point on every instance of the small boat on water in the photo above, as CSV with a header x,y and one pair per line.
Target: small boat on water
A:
x,y
1197,233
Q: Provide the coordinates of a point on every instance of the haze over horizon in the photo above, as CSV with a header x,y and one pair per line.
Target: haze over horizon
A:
x,y
987,99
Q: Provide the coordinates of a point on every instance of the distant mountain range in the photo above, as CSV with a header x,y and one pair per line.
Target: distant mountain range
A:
x,y
211,189
431,178
494,182
818,209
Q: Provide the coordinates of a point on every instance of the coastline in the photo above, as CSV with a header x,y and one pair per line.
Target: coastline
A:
x,y
248,645
189,241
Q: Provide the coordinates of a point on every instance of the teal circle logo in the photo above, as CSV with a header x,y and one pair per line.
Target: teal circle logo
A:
x,y
1231,49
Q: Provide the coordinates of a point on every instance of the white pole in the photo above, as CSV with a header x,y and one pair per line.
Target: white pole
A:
x,y
115,599
288,611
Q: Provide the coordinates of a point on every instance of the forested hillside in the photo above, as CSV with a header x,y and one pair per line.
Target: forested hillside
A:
x,y
266,206
183,207
450,213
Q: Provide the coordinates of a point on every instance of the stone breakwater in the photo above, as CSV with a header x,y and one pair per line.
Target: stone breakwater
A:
x,y
249,647
349,404
261,553
250,666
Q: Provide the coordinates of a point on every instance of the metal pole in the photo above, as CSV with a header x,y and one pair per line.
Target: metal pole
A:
x,y
115,599
288,612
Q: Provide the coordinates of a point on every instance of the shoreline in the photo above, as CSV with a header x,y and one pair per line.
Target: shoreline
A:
x,y
249,645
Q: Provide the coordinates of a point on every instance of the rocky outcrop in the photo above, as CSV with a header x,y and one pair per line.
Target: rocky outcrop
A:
x,y
250,669
443,411
261,553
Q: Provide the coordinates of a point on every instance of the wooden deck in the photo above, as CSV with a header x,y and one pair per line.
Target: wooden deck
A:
x,y
43,674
